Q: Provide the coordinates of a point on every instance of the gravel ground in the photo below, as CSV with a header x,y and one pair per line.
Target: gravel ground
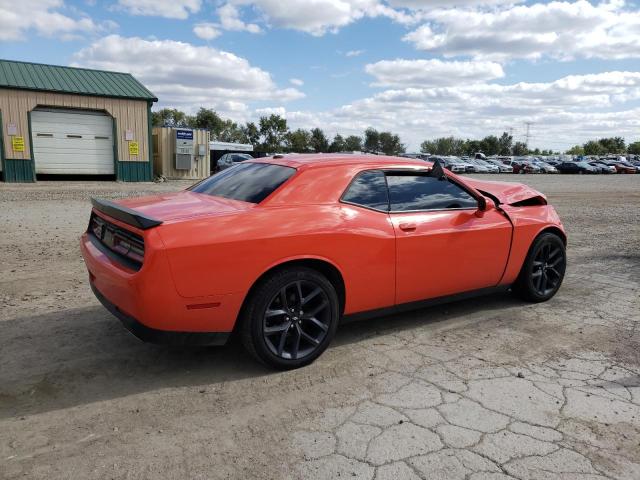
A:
x,y
489,388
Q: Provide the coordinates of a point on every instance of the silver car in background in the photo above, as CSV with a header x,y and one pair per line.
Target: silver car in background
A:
x,y
230,159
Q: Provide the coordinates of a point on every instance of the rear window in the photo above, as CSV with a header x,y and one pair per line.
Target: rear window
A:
x,y
247,181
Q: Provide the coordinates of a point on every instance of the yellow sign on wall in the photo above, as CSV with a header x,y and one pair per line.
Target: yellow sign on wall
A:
x,y
134,149
17,144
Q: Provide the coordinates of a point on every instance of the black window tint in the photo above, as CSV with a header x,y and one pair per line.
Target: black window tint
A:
x,y
420,192
368,189
247,181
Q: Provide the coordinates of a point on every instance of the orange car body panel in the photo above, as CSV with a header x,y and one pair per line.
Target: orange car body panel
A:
x,y
201,262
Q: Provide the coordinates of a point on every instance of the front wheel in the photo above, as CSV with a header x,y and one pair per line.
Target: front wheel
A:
x,y
543,269
290,318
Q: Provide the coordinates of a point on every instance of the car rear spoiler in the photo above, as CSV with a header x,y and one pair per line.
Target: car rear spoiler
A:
x,y
124,214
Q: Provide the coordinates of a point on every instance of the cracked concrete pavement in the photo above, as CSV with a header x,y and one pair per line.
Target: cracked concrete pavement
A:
x,y
490,388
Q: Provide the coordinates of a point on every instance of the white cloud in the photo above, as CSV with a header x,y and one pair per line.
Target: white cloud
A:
x,y
46,18
565,112
354,53
316,17
186,76
424,73
180,9
559,29
206,31
230,20
296,81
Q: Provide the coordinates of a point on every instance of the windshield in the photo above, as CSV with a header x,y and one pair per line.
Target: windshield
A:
x,y
246,181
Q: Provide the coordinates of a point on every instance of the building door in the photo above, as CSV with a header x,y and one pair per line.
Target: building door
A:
x,y
72,142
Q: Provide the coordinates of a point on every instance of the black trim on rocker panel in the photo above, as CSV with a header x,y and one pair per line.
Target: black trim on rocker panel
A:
x,y
406,307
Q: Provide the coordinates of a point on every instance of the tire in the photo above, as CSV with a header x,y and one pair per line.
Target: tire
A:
x,y
543,269
271,323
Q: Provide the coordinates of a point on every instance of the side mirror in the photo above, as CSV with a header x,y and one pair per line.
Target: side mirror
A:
x,y
482,206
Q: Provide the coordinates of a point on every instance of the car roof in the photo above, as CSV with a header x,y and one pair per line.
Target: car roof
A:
x,y
319,160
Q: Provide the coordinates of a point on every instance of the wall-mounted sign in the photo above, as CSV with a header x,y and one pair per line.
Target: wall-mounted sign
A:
x,y
12,129
134,149
128,135
17,144
184,134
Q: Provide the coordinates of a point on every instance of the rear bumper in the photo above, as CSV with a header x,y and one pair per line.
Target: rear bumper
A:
x,y
161,337
149,297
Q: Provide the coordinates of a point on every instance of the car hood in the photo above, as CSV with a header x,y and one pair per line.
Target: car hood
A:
x,y
183,205
506,192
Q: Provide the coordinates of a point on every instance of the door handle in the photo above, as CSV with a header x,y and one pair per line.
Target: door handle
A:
x,y
407,227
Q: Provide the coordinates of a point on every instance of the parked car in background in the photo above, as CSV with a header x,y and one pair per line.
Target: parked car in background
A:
x,y
279,250
522,165
230,159
488,165
468,167
454,164
621,167
502,167
603,167
478,165
576,167
545,167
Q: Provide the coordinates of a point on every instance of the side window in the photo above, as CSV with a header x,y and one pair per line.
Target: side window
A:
x,y
420,192
368,189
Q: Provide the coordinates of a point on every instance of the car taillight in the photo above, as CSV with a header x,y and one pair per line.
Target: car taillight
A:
x,y
128,248
123,242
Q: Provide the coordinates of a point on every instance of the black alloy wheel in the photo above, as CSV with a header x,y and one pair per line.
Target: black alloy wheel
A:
x,y
543,270
548,268
290,317
296,320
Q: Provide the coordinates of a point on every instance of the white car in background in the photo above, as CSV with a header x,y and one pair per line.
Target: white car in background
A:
x,y
449,163
502,167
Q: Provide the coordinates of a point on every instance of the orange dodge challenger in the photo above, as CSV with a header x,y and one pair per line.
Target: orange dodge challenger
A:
x,y
281,249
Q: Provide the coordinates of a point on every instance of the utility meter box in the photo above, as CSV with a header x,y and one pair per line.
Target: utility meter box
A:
x,y
184,149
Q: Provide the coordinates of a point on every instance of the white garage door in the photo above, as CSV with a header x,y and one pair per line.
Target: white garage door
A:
x,y
70,142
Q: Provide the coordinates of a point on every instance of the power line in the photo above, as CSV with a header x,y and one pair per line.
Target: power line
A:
x,y
528,134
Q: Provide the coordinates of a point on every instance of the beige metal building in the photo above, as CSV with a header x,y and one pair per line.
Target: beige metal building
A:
x,y
63,120
181,153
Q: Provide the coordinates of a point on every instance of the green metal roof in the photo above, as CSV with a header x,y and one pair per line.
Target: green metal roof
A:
x,y
78,81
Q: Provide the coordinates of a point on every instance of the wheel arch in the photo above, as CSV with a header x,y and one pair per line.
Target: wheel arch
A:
x,y
319,264
556,231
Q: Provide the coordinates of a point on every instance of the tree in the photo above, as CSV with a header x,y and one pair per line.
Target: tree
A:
x,y
170,117
251,134
353,143
299,141
505,143
575,150
634,148
371,140
273,131
390,143
519,149
337,145
472,146
613,145
319,141
593,147
223,130
444,146
490,145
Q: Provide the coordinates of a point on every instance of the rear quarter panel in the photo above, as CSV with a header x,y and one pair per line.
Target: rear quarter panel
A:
x,y
226,254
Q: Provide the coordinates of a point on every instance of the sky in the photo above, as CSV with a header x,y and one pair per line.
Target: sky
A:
x,y
420,68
